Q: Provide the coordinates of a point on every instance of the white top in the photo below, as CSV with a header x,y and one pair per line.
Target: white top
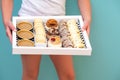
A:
x,y
42,8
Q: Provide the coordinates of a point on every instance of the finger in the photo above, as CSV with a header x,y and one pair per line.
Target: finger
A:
x,y
12,26
8,32
88,31
85,26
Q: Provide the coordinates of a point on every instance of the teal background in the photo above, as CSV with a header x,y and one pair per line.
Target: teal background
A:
x,y
104,64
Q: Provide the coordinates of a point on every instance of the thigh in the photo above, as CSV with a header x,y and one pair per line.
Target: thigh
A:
x,y
30,62
63,63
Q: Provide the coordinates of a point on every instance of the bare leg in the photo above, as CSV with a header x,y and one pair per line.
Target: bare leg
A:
x,y
30,66
64,66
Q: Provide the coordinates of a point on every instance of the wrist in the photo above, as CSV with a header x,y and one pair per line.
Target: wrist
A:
x,y
87,18
6,23
6,20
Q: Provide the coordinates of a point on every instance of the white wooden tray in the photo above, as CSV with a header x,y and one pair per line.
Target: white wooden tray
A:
x,y
48,50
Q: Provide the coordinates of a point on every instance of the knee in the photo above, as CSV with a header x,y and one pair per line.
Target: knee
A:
x,y
70,76
67,76
31,74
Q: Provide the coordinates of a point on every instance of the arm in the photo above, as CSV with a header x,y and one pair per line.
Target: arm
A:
x,y
85,9
7,6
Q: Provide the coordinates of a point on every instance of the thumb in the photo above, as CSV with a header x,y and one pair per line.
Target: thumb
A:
x,y
84,26
8,32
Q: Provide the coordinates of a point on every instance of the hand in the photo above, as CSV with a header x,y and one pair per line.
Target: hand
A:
x,y
9,28
87,26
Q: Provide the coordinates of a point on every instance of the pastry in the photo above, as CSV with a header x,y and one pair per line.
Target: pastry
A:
x,y
24,25
40,31
65,34
38,23
40,34
37,20
52,23
54,41
40,41
75,34
25,34
38,26
25,42
52,27
40,38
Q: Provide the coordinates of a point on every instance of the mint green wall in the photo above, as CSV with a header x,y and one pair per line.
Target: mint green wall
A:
x,y
102,65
